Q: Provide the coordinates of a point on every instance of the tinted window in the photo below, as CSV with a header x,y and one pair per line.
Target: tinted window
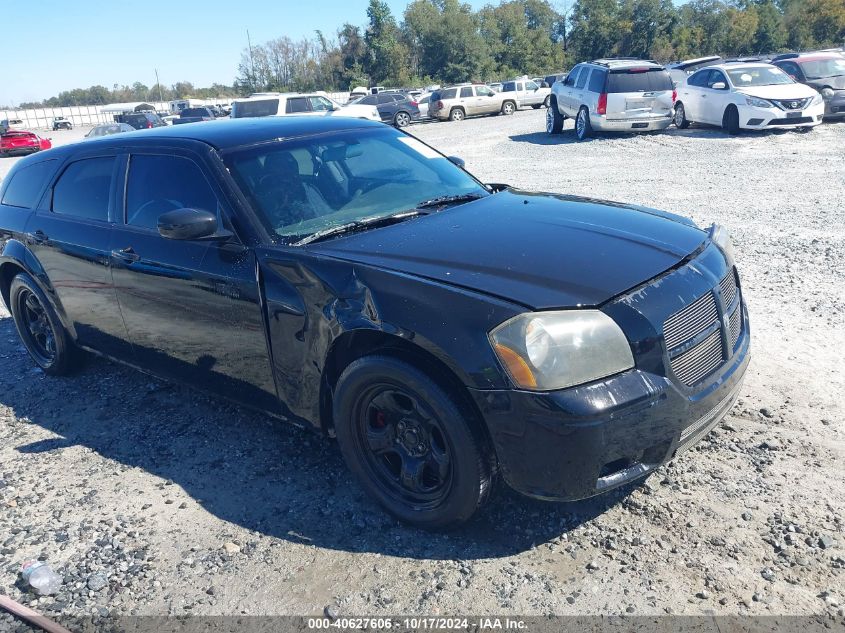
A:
x,y
699,79
371,100
466,92
791,68
262,107
449,94
570,79
83,189
509,86
582,78
27,184
297,104
189,112
716,77
385,99
158,184
639,81
597,81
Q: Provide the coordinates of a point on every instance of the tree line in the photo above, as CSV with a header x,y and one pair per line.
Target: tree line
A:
x,y
443,41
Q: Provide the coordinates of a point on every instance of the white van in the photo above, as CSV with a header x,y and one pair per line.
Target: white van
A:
x,y
289,103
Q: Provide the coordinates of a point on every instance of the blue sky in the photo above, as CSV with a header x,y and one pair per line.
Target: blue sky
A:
x,y
107,43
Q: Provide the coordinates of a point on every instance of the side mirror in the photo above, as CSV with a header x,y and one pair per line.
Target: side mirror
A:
x,y
187,224
457,160
719,85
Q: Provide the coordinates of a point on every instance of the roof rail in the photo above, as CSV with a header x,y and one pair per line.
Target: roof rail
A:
x,y
785,56
607,61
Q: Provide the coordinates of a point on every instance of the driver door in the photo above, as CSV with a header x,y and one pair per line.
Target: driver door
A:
x,y
191,307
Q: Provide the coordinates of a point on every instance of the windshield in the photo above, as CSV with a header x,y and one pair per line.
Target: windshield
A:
x,y
758,76
828,67
304,186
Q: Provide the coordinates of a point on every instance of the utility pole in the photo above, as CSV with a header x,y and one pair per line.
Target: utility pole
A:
x,y
158,83
251,62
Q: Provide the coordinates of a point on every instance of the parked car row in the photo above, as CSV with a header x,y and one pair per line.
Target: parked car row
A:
x,y
630,95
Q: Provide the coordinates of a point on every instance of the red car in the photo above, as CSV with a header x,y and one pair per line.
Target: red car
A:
x,y
22,142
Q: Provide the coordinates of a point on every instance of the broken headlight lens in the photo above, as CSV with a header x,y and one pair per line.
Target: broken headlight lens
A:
x,y
544,351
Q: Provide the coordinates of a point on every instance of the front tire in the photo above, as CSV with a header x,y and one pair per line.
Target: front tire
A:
x,y
554,119
39,327
409,444
680,119
730,120
583,127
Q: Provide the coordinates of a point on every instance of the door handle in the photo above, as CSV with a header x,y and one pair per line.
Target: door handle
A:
x,y
37,237
127,255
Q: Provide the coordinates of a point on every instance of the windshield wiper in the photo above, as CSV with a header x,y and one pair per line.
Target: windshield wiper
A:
x,y
359,225
443,200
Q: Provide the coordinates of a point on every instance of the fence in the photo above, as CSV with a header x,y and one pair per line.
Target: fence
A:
x,y
42,118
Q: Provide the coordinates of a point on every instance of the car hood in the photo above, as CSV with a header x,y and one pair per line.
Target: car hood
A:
x,y
539,250
783,91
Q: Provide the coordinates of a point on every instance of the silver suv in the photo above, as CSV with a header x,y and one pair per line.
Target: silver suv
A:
x,y
613,95
458,102
528,92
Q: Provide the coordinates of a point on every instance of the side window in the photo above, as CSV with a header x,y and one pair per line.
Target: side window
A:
x,y
158,184
297,104
790,68
597,81
716,77
25,187
466,92
582,78
83,189
530,85
320,104
371,100
508,86
483,91
385,99
573,76
520,86
699,79
449,94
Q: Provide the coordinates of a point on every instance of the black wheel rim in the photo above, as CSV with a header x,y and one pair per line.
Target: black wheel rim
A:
x,y
404,445
37,329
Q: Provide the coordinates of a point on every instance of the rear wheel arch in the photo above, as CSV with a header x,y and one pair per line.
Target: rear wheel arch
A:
x,y
8,270
355,344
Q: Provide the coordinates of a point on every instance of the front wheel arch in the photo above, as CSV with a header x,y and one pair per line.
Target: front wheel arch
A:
x,y
355,344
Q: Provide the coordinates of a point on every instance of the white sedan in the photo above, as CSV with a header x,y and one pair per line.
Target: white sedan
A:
x,y
748,96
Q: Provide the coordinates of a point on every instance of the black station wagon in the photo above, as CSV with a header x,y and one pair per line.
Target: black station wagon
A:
x,y
343,275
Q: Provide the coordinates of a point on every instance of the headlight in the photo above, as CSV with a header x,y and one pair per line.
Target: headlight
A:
x,y
543,351
720,237
758,103
827,94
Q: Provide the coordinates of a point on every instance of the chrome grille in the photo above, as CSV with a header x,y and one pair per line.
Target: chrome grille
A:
x,y
728,287
694,319
792,104
735,325
695,364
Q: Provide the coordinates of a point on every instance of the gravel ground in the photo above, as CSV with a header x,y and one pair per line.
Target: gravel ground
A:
x,y
152,499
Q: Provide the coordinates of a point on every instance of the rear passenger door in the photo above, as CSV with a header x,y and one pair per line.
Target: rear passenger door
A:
x,y
467,100
692,95
191,307
387,107
580,94
69,235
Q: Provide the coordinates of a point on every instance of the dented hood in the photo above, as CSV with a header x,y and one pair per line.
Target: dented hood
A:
x,y
542,251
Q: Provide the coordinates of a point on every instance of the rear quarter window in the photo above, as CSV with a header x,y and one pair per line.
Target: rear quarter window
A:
x,y
261,107
639,81
449,94
597,81
25,188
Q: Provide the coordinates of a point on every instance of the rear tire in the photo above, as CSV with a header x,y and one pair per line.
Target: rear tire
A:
x,y
402,119
508,108
680,119
730,120
554,119
583,127
39,327
409,444
457,114
547,102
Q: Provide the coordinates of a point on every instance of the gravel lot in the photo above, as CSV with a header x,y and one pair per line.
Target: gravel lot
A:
x,y
152,499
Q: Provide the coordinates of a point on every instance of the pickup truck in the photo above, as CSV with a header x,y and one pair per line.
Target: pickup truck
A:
x,y
194,115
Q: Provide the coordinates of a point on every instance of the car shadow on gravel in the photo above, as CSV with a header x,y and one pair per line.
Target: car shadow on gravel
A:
x,y
243,467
